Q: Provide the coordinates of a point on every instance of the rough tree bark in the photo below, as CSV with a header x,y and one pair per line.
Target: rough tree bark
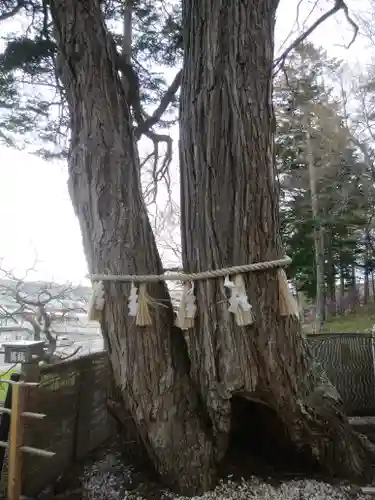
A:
x,y
318,232
229,207
367,266
150,364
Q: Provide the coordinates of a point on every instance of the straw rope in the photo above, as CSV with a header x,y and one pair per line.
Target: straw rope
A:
x,y
217,273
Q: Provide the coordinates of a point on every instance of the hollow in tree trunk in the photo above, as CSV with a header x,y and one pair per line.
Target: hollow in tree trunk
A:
x,y
150,364
229,206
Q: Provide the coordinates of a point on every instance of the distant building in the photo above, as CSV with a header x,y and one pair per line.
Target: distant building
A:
x,y
69,309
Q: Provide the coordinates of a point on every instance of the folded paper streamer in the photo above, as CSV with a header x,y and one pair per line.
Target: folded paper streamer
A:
x,y
188,308
238,301
138,305
287,303
133,305
96,304
139,301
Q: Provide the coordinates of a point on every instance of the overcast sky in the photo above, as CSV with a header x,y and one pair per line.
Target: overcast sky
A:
x,y
36,214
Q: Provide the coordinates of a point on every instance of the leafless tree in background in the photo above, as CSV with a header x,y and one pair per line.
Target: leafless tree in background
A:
x,y
36,308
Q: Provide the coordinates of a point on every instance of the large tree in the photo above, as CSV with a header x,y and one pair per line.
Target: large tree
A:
x,y
150,365
229,205
179,390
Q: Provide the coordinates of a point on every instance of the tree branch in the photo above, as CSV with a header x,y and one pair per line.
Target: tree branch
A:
x,y
160,110
345,9
157,172
37,329
132,94
12,12
339,5
34,306
68,356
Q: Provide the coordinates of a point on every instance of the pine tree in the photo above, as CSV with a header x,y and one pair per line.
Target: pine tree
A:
x,y
340,176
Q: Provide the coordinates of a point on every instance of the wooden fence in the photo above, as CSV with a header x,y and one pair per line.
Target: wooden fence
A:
x,y
73,396
349,361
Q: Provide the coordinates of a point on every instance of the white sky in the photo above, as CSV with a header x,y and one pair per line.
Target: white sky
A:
x,y
37,218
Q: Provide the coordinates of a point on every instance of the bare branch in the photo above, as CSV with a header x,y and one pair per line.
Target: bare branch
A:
x,y
64,358
173,269
297,21
35,303
162,172
339,5
12,12
160,110
145,123
353,24
8,371
37,329
147,159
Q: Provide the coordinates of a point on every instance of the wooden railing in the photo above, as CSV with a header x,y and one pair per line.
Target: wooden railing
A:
x,y
14,445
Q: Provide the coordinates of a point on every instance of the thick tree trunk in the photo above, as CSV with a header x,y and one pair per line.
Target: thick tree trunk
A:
x,y
331,278
318,232
366,291
342,289
229,206
150,364
366,285
353,291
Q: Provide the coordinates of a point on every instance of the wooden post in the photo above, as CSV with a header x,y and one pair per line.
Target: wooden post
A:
x,y
15,454
15,445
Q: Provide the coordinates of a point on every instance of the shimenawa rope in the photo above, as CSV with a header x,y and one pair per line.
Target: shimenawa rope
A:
x,y
217,273
139,300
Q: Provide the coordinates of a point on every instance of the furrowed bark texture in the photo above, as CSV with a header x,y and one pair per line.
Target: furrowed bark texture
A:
x,y
229,206
150,364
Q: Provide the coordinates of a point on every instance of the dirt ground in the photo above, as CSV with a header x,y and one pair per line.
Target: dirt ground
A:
x,y
107,475
256,466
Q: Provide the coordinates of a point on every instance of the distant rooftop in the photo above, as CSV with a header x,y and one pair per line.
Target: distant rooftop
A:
x,y
33,288
75,293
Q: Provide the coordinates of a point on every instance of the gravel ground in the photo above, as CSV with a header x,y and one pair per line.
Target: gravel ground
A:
x,y
110,479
